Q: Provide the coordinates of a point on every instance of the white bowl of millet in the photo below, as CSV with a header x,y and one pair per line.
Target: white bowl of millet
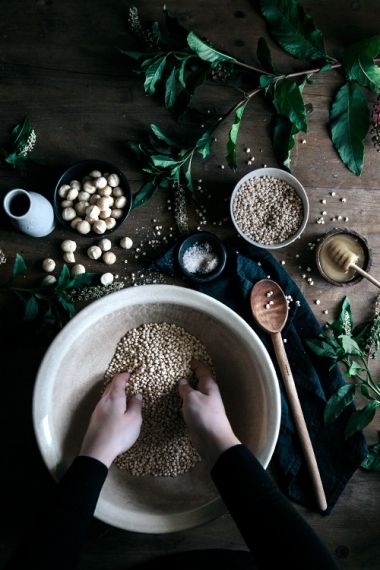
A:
x,y
269,208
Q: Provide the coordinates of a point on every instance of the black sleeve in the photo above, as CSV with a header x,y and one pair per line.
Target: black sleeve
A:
x,y
275,533
60,531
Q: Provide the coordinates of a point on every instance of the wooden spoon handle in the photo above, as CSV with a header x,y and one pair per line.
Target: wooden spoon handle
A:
x,y
365,274
299,420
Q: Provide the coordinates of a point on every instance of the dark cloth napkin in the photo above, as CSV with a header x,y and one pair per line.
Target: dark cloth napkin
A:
x,y
337,458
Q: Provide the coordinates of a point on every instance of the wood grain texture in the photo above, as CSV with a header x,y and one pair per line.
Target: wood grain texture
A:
x,y
59,64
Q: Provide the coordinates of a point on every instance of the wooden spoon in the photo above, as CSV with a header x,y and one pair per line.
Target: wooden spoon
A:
x,y
270,311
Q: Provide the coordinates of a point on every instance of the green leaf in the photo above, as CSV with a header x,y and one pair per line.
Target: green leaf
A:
x,y
264,55
266,82
372,461
144,194
63,278
188,177
349,345
162,137
203,144
322,348
153,75
293,29
284,138
288,101
353,370
68,306
81,280
19,266
359,64
361,418
135,54
338,402
349,122
206,52
182,69
20,133
365,391
233,134
163,161
31,309
171,89
136,150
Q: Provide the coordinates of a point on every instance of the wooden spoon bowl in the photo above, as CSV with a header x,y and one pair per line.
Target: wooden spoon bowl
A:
x,y
269,306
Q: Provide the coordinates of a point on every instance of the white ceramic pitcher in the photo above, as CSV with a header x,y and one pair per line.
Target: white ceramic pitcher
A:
x,y
29,212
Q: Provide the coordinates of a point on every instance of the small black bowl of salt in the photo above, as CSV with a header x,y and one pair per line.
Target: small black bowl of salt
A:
x,y
202,257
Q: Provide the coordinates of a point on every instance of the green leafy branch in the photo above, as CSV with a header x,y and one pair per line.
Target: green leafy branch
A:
x,y
182,62
21,142
350,346
49,304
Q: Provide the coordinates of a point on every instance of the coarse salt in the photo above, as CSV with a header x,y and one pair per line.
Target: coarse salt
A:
x,y
200,258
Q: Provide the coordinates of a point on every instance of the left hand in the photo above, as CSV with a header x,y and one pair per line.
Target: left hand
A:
x,y
115,423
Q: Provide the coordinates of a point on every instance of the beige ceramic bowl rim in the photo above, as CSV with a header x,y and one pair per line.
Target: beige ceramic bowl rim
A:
x,y
282,175
171,294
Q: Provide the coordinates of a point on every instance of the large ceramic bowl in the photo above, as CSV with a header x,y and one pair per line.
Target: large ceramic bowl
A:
x,y
71,375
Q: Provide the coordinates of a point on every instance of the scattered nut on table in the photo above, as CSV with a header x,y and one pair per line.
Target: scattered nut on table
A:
x,y
105,244
49,280
69,257
48,265
94,252
126,243
106,279
68,245
78,269
109,257
97,200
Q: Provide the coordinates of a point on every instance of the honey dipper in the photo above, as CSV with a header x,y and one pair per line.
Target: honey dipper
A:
x,y
346,259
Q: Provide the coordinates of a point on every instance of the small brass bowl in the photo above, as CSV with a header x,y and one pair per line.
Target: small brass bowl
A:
x,y
352,276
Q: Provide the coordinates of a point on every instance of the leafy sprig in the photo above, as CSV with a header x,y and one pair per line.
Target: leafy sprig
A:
x,y
21,143
342,343
49,304
182,61
167,164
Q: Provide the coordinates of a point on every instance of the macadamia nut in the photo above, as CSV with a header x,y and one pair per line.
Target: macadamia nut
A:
x,y
105,244
99,226
106,279
94,252
68,245
109,257
113,180
48,264
69,257
49,280
126,243
78,269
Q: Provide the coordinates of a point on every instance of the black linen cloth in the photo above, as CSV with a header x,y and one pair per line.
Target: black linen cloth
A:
x,y
337,458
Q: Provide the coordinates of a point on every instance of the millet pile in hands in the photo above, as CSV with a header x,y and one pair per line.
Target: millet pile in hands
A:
x,y
158,355
267,210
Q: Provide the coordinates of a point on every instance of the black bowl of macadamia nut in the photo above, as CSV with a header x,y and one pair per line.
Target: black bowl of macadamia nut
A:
x,y
92,198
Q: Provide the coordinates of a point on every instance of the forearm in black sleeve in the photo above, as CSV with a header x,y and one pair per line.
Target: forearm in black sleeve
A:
x,y
273,530
57,536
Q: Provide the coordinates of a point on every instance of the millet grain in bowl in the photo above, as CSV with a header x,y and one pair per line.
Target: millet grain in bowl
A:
x,y
267,209
158,355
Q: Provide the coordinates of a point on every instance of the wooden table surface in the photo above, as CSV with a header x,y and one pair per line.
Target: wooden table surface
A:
x,y
60,66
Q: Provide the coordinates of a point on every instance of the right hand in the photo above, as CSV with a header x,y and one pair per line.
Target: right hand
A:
x,y
205,416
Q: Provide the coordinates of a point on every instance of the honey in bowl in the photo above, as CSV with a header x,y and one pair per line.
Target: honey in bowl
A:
x,y
329,269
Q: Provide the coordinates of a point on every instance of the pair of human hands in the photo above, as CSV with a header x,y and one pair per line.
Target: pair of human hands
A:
x,y
115,423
